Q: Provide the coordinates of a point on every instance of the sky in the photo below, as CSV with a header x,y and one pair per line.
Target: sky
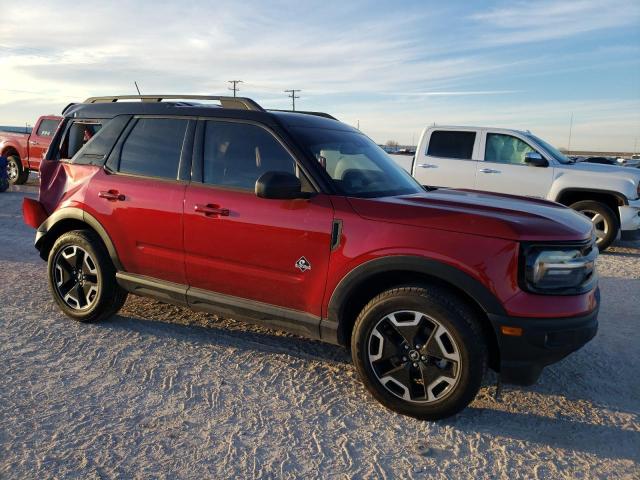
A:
x,y
393,68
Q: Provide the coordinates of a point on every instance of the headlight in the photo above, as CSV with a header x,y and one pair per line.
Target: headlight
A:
x,y
559,269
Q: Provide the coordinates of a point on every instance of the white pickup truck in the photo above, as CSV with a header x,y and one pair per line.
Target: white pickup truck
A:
x,y
519,163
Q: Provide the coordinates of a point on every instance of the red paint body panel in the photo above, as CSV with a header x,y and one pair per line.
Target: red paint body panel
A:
x,y
252,252
145,227
31,148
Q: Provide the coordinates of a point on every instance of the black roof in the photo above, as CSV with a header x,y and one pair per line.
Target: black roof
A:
x,y
107,108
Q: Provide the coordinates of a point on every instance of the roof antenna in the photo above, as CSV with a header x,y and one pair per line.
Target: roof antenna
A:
x,y
136,84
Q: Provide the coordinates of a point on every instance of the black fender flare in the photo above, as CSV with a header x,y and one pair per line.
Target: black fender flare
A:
x,y
48,228
331,327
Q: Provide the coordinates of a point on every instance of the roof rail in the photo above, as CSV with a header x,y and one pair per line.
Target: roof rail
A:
x,y
317,114
238,103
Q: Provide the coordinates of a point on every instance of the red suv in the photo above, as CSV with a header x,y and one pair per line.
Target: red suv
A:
x,y
302,223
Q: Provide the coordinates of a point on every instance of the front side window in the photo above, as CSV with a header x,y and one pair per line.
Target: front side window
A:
x,y
47,128
505,149
153,148
357,166
448,144
237,154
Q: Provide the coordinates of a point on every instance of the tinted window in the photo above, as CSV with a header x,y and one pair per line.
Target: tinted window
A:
x,y
76,136
505,149
451,144
153,148
357,166
237,154
47,128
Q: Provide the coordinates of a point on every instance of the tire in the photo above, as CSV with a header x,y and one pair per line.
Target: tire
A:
x,y
605,221
16,173
82,277
446,329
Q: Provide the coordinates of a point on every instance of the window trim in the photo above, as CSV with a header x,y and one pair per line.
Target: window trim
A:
x,y
197,168
474,148
113,161
484,148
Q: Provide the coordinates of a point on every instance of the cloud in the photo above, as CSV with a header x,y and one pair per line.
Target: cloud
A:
x,y
355,58
527,22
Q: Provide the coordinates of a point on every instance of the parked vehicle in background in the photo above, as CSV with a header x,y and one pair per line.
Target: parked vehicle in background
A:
x,y
4,179
600,160
302,223
519,163
24,151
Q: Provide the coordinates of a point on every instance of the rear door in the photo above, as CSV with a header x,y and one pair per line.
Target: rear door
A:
x,y
503,169
255,249
447,158
138,198
40,139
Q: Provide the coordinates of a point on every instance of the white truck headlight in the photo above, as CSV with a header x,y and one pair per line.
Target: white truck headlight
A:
x,y
559,269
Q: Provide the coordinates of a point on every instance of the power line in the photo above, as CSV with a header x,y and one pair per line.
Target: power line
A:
x,y
293,97
235,87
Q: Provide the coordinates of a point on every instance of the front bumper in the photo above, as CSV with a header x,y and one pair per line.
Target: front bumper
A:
x,y
543,341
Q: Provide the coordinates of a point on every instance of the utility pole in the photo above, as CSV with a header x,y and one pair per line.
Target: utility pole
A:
x,y
235,87
293,97
570,128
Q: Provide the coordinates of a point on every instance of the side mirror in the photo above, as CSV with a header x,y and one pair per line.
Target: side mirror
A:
x,y
278,185
534,159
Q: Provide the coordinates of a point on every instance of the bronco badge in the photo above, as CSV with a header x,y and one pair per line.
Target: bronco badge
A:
x,y
303,264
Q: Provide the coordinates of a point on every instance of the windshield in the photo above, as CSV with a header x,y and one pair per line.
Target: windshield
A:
x,y
357,166
553,151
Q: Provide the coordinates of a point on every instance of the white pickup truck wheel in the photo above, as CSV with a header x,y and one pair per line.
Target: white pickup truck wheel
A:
x,y
605,223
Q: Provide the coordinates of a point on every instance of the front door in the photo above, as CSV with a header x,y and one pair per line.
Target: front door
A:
x,y
236,244
40,139
504,170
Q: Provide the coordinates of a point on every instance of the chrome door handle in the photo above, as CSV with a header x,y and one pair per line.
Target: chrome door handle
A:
x,y
489,170
33,142
427,165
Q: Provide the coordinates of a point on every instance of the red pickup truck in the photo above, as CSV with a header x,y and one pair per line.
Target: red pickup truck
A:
x,y
24,151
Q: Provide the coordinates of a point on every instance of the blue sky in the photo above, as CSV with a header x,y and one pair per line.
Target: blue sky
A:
x,y
394,67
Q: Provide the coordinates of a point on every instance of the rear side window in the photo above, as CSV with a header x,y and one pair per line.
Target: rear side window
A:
x,y
237,154
448,144
77,136
47,128
153,148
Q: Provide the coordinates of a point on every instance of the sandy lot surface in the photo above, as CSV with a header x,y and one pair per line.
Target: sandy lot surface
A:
x,y
163,392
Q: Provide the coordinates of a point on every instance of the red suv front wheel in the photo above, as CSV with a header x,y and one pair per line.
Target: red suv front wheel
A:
x,y
419,351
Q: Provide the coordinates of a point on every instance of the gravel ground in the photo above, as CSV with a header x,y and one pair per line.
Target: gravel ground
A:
x,y
162,392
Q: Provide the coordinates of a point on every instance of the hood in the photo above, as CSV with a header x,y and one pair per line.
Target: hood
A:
x,y
479,213
618,170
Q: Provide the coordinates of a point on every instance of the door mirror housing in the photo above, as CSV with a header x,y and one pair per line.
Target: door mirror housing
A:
x,y
278,186
534,159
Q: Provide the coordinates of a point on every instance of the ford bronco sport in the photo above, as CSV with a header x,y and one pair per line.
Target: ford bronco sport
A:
x,y
302,223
